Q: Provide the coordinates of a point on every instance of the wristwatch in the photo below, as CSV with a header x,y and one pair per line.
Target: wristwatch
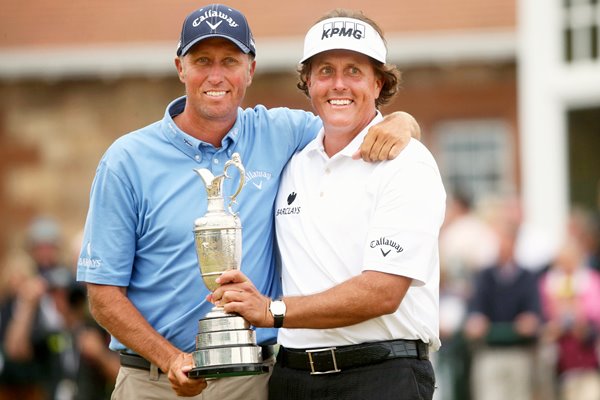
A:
x,y
277,308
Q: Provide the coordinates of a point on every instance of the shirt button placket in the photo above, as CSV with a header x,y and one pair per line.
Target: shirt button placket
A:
x,y
325,182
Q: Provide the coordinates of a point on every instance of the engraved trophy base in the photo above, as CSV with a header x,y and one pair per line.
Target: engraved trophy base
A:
x,y
226,346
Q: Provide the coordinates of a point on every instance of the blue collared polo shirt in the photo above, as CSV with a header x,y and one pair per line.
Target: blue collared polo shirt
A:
x,y
144,200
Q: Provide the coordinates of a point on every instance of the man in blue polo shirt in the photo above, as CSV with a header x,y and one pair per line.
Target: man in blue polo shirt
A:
x,y
138,254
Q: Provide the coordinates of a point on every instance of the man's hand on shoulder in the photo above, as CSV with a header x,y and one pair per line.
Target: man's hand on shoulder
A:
x,y
385,140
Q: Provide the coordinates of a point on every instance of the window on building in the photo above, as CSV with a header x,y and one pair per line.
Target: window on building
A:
x,y
475,157
581,32
584,163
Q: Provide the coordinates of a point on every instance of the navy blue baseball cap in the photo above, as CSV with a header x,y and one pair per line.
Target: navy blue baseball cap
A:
x,y
216,20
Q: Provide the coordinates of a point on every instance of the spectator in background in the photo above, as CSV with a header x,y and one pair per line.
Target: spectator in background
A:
x,y
51,349
467,244
585,226
29,314
502,323
16,268
570,293
463,227
44,245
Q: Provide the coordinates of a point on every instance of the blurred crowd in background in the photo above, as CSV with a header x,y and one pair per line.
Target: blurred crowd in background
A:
x,y
514,324
519,319
50,346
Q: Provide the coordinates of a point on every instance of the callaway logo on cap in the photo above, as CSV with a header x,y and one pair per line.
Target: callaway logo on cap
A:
x,y
344,33
216,20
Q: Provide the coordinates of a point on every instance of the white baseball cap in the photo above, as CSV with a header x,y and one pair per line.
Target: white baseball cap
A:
x,y
344,33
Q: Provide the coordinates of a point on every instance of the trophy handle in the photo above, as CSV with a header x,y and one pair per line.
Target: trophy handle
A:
x,y
236,161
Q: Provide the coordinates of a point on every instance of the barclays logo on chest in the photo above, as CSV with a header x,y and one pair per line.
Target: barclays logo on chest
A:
x,y
291,210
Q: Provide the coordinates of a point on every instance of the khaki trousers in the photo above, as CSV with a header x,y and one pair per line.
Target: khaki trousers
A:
x,y
502,373
135,384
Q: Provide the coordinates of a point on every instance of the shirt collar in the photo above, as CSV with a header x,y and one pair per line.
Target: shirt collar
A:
x,y
317,144
188,144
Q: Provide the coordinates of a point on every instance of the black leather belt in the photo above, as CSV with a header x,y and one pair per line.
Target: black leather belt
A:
x,y
336,359
134,361
139,362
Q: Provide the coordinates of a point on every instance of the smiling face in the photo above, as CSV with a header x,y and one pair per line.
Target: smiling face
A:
x,y
343,87
216,75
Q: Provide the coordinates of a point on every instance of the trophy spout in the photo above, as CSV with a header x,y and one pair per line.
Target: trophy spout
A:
x,y
214,184
211,183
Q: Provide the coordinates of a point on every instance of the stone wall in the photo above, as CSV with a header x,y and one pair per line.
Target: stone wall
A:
x,y
52,134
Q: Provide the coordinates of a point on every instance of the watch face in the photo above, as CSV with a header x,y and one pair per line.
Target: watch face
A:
x,y
277,307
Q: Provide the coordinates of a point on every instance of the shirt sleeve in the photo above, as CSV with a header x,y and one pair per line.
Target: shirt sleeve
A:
x,y
302,125
313,126
109,242
403,236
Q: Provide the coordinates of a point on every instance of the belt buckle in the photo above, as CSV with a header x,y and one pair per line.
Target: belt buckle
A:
x,y
331,351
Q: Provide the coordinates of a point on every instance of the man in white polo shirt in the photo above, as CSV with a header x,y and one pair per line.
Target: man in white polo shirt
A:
x,y
358,241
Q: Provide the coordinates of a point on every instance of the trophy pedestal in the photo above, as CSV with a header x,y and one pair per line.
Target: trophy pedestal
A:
x,y
226,346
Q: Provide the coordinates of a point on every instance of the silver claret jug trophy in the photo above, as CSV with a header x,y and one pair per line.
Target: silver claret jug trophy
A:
x,y
225,344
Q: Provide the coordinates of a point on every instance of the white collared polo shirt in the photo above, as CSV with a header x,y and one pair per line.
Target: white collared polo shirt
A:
x,y
336,217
